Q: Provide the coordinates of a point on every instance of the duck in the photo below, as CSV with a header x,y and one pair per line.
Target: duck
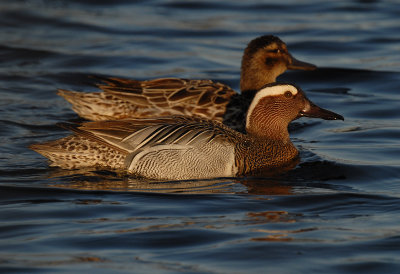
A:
x,y
264,59
190,147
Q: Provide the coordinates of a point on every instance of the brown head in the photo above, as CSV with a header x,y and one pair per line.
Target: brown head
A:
x,y
264,59
275,106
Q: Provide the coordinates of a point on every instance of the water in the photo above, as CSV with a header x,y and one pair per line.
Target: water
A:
x,y
337,212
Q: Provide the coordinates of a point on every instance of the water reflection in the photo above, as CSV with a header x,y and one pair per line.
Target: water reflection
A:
x,y
337,210
310,175
280,235
137,185
111,181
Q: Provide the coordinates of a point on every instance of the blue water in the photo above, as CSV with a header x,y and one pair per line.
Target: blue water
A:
x,y
337,212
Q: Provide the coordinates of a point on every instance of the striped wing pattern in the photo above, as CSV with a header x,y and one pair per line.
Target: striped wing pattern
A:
x,y
134,134
172,96
175,147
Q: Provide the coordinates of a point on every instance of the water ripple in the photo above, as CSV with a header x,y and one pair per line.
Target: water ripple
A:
x,y
337,211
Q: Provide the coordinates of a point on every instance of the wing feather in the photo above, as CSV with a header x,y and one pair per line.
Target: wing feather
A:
x,y
136,134
172,95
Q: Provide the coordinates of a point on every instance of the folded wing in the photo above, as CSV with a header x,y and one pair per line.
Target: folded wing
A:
x,y
174,147
122,98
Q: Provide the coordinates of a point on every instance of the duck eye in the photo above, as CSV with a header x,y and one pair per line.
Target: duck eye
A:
x,y
288,94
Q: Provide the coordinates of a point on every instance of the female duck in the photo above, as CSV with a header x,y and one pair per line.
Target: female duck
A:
x,y
181,147
264,59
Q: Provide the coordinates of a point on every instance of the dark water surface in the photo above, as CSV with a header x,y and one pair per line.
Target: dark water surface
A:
x,y
337,212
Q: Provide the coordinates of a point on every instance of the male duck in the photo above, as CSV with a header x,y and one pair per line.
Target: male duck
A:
x,y
264,59
182,147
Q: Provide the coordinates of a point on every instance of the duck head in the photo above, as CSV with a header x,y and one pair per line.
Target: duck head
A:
x,y
264,59
275,106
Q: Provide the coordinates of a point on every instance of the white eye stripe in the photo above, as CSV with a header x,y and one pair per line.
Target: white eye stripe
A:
x,y
269,91
276,90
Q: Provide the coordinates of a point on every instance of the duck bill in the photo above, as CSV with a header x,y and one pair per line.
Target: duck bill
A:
x,y
300,65
314,111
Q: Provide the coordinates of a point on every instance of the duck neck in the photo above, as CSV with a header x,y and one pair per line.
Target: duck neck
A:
x,y
269,132
255,73
267,154
265,124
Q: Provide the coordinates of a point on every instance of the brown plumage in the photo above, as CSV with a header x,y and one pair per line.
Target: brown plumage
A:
x,y
183,147
264,59
123,98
